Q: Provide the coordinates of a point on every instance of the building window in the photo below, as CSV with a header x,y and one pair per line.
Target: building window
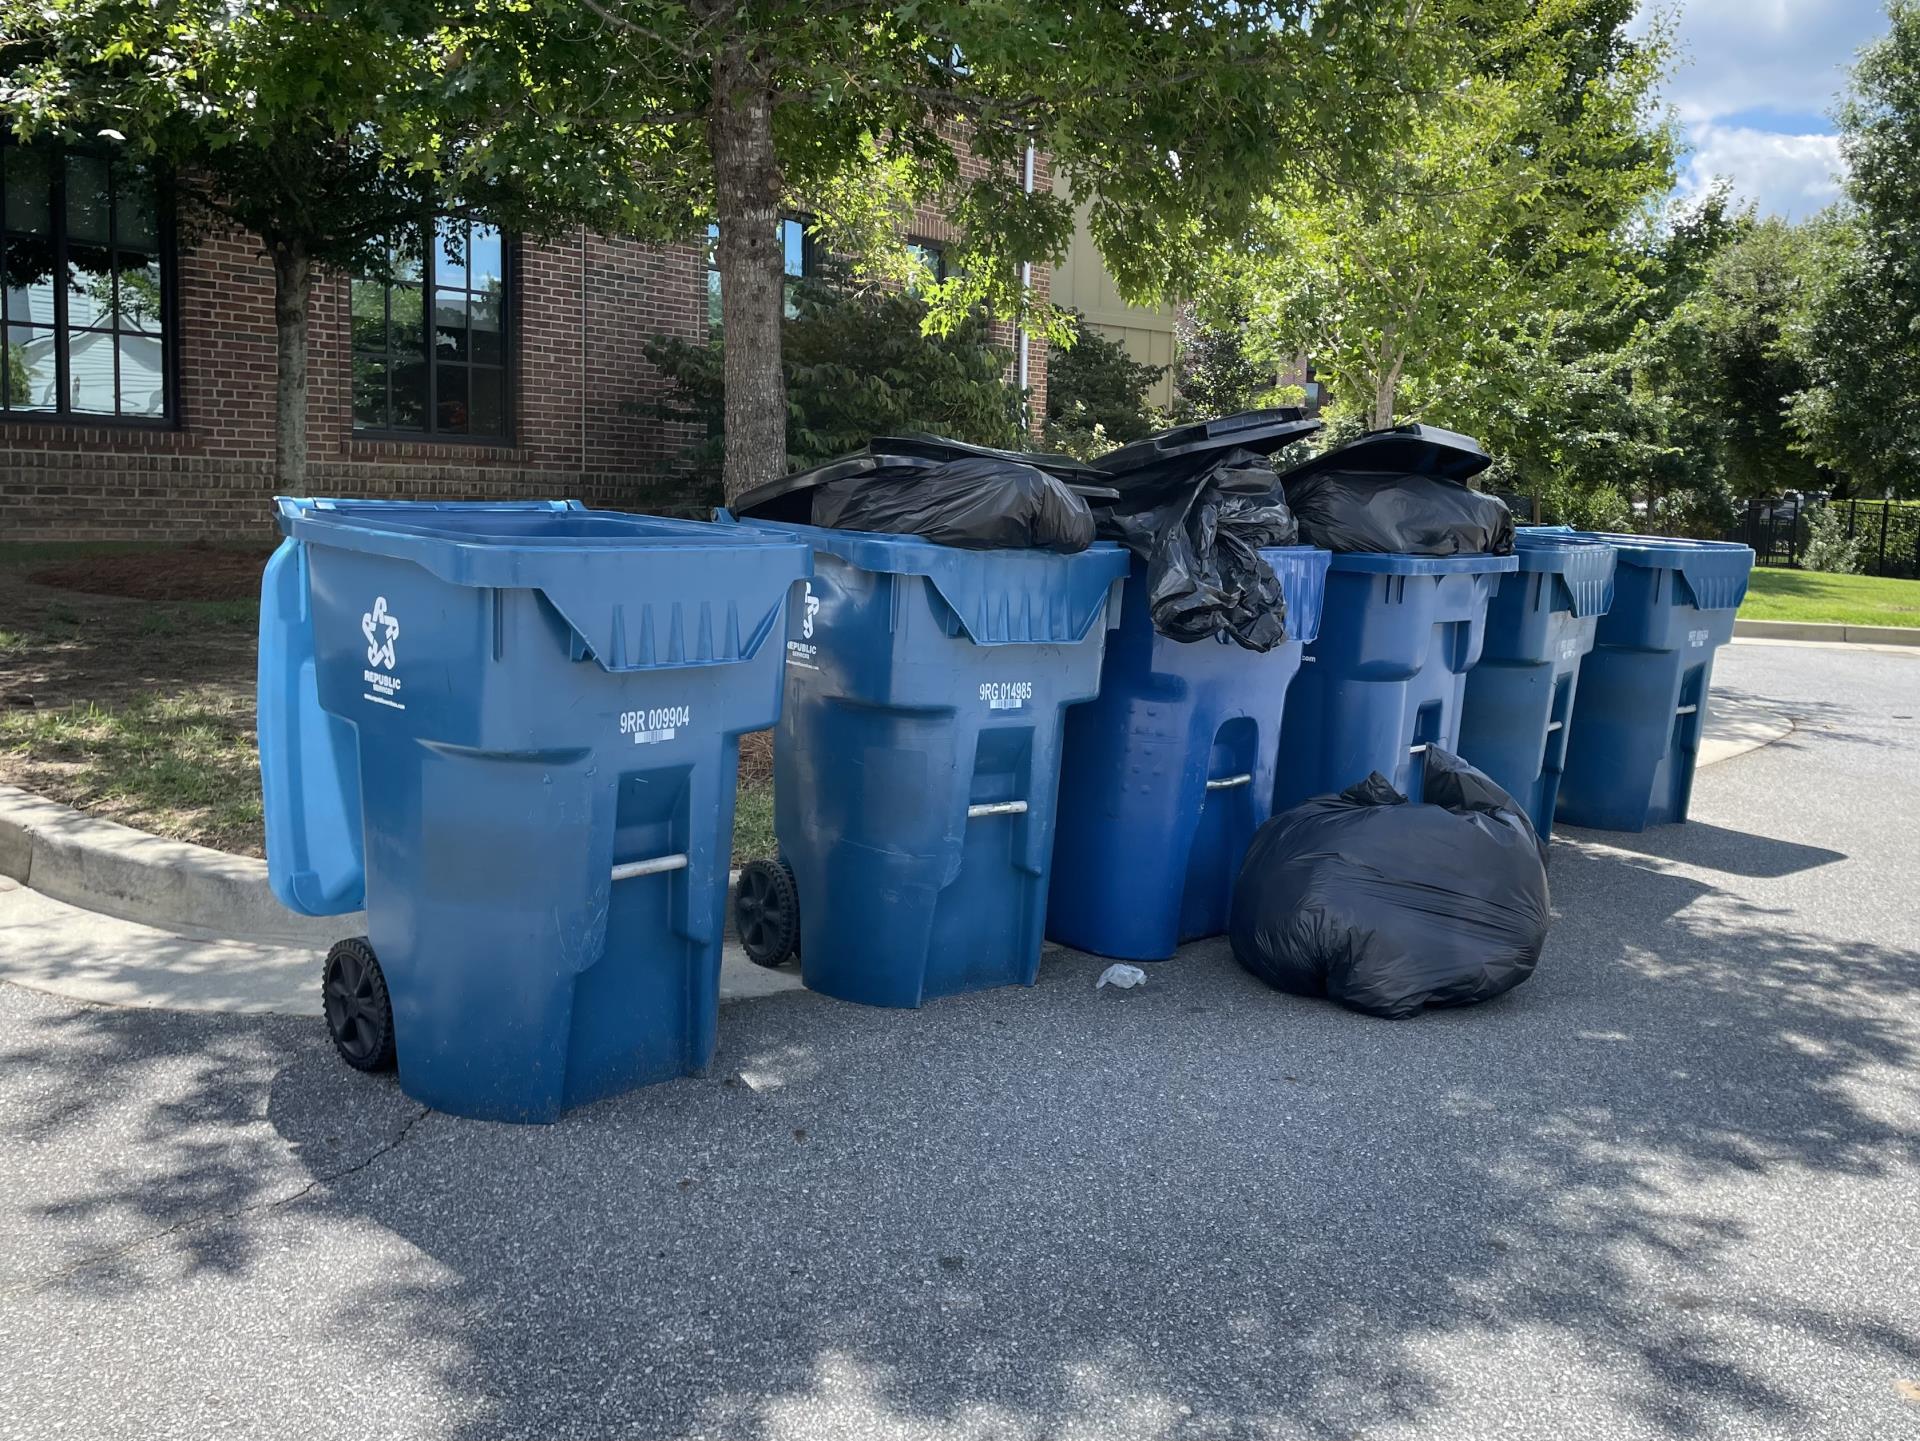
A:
x,y
432,337
85,283
932,254
800,257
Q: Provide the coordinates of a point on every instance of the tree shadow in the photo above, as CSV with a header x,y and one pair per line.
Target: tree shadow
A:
x,y
1200,1210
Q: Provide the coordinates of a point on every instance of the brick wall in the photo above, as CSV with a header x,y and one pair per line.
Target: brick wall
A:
x,y
580,383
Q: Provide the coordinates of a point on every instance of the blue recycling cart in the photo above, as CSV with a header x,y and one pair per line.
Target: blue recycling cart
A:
x,y
917,759
1517,714
1384,678
511,731
1642,703
1168,773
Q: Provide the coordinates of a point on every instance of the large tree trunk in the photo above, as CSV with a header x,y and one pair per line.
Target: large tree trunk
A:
x,y
747,186
292,288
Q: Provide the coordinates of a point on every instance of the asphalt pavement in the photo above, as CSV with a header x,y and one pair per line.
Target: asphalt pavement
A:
x,y
1669,1188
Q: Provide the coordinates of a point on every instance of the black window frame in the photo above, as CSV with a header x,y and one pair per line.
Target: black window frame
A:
x,y
810,252
429,287
166,240
926,245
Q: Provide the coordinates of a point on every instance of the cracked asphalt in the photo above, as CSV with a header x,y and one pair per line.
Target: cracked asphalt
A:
x,y
1669,1188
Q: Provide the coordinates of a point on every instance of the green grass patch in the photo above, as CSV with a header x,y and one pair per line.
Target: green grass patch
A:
x,y
753,822
181,765
1775,593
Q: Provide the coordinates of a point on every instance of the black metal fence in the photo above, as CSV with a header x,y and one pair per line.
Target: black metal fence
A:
x,y
1888,532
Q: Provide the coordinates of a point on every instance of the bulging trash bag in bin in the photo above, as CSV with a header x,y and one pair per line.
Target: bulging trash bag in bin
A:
x,y
1401,491
1389,906
940,490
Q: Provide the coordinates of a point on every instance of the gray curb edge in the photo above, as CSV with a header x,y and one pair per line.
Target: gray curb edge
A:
x,y
1827,631
102,866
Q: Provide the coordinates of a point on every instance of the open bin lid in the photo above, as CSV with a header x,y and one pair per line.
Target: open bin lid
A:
x,y
1261,431
1083,479
785,497
1404,450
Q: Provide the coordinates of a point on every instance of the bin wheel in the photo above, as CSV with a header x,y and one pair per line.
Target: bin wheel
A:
x,y
359,1012
766,912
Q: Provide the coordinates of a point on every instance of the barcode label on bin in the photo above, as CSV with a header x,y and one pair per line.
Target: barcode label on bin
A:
x,y
1006,694
662,723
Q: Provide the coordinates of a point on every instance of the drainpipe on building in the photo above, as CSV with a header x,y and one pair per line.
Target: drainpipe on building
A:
x,y
1026,292
583,355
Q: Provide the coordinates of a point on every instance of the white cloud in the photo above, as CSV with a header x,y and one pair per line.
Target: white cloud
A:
x,y
1785,56
1789,175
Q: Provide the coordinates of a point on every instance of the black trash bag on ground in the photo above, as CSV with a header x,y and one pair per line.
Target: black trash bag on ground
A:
x,y
1402,490
977,503
1200,528
1389,907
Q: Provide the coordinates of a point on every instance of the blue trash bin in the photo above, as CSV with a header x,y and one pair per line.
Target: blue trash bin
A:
x,y
1168,773
917,757
1642,702
1382,682
513,730
1517,713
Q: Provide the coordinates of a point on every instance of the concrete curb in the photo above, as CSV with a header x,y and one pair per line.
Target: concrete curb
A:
x,y
117,871
1826,631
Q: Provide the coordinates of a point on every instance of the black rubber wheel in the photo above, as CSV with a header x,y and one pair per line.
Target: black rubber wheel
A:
x,y
359,1013
766,912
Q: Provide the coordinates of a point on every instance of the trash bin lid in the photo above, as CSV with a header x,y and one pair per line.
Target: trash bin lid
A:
x,y
1375,562
1261,431
1404,450
1716,571
1076,474
1583,567
906,454
603,570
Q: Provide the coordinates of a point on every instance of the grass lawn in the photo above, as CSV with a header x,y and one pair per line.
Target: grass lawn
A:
x,y
1776,593
126,689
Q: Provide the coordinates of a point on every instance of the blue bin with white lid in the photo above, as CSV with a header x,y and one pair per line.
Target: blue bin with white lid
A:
x,y
1170,771
1642,703
1383,680
1516,720
917,760
510,730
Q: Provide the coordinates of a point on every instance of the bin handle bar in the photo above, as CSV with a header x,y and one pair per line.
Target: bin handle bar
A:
x,y
997,808
1227,783
1418,750
1687,710
1553,726
658,865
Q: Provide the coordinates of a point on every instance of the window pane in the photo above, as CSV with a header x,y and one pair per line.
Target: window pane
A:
x,y
488,411
370,317
90,372
484,255
29,272
450,252
138,277
793,247
143,384
404,262
370,391
408,335
31,381
86,199
450,382
450,325
28,206
713,300
484,313
89,286
409,395
134,216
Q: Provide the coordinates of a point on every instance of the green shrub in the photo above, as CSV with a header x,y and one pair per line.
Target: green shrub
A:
x,y
1097,395
1828,546
857,366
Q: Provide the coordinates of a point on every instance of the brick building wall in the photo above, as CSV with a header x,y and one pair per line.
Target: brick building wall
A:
x,y
582,309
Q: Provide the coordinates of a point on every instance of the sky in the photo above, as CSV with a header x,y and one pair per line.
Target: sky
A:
x,y
1756,83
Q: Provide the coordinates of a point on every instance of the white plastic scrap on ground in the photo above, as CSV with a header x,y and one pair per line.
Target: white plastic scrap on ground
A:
x,y
1124,978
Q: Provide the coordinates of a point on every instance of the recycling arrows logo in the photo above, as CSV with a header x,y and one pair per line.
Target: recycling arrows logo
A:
x,y
377,620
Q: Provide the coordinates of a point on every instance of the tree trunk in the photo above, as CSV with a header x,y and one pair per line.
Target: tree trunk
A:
x,y
747,186
292,287
1383,395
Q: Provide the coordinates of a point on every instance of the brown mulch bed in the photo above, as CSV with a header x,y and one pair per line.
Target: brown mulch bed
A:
x,y
201,572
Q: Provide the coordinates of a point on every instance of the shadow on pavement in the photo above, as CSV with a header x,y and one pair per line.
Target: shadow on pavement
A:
x,y
1202,1210
1711,847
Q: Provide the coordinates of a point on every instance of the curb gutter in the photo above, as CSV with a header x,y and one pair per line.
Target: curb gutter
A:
x,y
1827,631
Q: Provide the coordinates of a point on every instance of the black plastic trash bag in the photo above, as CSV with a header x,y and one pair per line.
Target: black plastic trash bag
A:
x,y
1389,906
1402,490
976,502
1201,541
